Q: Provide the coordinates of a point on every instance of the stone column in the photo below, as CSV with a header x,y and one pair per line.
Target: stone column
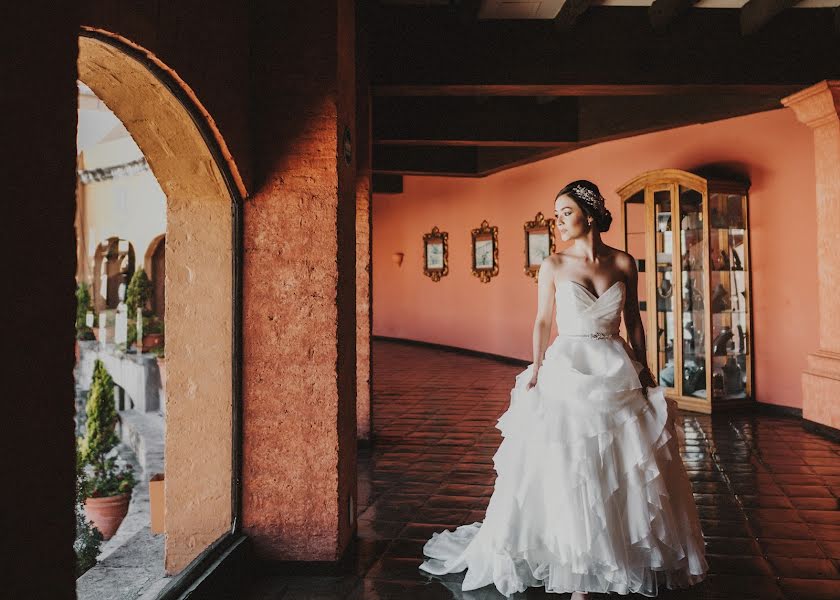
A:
x,y
364,415
817,107
299,312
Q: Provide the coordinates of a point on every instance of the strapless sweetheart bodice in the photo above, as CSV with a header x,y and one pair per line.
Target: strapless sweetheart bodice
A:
x,y
580,312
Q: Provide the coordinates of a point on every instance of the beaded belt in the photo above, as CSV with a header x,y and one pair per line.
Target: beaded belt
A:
x,y
598,335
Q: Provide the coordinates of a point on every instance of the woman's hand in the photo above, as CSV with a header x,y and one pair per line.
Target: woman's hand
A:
x,y
533,381
646,378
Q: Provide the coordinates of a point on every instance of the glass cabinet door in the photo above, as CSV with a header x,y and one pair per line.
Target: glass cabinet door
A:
x,y
665,287
728,296
635,242
692,271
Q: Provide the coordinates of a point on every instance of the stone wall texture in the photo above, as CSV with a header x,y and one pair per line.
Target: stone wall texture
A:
x,y
278,106
199,298
299,362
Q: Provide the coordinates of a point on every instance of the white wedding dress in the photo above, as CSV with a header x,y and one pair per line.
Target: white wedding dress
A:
x,y
591,494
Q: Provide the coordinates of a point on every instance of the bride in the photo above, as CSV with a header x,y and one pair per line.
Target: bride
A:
x,y
591,494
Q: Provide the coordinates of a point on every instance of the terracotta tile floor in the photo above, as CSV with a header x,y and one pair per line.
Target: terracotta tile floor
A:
x,y
767,490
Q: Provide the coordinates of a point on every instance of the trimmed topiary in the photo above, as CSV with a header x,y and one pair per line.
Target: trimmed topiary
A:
x,y
139,293
100,429
83,305
104,477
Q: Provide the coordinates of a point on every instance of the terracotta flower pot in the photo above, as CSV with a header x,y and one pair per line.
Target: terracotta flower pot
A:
x,y
152,340
107,513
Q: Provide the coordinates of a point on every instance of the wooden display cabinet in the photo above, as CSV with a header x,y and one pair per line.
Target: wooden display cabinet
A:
x,y
694,287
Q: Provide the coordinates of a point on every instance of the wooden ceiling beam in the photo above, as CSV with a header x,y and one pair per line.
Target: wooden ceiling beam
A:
x,y
428,160
600,119
474,143
663,12
770,89
491,160
478,121
467,10
755,14
569,13
612,48
607,118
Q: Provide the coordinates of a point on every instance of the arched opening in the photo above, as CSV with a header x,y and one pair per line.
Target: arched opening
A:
x,y
114,264
155,265
199,268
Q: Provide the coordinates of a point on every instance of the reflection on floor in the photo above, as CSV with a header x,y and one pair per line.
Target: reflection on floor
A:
x,y
767,490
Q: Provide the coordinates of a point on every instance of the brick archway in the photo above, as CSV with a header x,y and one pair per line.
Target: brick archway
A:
x,y
201,183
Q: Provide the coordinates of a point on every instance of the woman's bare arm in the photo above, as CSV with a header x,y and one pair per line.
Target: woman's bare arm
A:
x,y
633,318
545,310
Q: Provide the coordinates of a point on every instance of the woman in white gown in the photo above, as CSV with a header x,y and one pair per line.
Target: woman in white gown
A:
x,y
591,494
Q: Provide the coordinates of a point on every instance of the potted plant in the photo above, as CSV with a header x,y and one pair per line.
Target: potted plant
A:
x,y
137,295
83,306
153,335
107,485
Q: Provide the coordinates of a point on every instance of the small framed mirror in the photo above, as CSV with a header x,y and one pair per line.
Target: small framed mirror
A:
x,y
485,252
539,243
436,254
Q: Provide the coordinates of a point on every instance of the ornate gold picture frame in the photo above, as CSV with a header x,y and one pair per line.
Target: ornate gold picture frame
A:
x,y
539,243
436,254
485,252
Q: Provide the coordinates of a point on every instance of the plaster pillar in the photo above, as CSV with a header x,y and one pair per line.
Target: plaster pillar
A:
x,y
364,412
817,107
299,311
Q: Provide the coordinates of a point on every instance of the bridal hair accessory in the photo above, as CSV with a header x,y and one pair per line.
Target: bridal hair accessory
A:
x,y
593,199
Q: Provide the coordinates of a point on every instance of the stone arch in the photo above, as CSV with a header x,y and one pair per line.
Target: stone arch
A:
x,y
113,263
201,184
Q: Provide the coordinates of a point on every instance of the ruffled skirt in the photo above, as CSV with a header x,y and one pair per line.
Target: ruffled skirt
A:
x,y
591,494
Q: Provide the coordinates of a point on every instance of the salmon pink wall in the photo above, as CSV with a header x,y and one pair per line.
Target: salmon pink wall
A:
x,y
771,148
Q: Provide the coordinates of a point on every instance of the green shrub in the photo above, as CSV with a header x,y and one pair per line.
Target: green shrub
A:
x,y
100,430
107,478
101,476
87,543
138,294
88,538
151,324
84,304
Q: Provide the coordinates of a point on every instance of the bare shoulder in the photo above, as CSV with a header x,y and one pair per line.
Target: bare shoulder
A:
x,y
551,262
624,261
549,267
